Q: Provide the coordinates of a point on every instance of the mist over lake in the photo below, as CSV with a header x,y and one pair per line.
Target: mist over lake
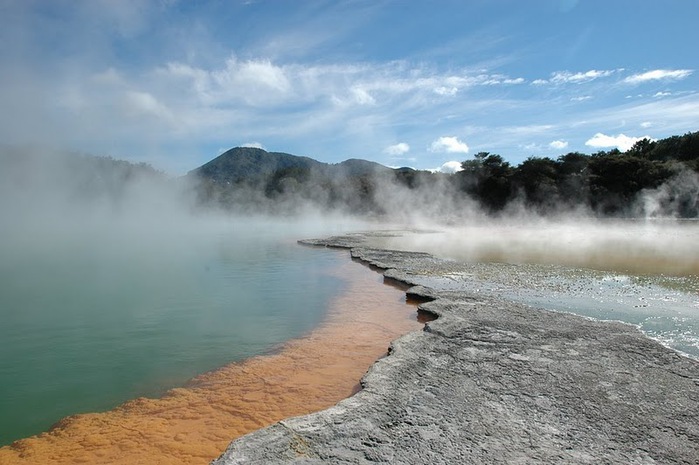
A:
x,y
641,272
118,282
160,161
113,285
88,324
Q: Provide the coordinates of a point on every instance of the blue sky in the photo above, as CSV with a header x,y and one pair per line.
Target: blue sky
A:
x,y
404,83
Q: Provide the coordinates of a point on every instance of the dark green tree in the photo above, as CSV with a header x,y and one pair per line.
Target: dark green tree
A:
x,y
616,179
642,148
573,179
487,178
538,179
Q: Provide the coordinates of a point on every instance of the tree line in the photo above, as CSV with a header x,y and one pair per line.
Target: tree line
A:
x,y
607,183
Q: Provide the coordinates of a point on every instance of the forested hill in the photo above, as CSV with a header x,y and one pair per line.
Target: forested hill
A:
x,y
252,166
653,178
251,179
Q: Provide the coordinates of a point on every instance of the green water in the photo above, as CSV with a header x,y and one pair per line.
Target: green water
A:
x,y
88,321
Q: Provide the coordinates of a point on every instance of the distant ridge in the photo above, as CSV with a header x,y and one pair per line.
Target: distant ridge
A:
x,y
252,178
358,167
251,165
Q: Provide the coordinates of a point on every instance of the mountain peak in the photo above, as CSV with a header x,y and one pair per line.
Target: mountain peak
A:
x,y
250,165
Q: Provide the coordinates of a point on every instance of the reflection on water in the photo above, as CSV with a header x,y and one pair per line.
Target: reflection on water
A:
x,y
645,274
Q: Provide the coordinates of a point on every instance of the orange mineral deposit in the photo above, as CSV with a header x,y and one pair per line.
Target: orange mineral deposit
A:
x,y
195,423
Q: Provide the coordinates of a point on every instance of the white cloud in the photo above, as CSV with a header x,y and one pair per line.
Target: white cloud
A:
x,y
444,90
362,97
449,144
255,81
261,73
659,75
450,85
620,141
254,145
674,114
264,83
497,79
143,103
581,98
397,149
566,77
662,94
646,124
527,131
558,144
449,167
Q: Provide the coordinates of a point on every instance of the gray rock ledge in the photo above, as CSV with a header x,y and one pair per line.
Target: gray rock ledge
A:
x,y
492,381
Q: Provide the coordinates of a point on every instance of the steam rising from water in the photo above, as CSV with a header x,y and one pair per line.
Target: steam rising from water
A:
x,y
52,206
674,198
652,277
50,201
644,246
102,261
53,201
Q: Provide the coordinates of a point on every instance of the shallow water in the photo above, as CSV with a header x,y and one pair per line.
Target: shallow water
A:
x,y
87,325
640,273
664,308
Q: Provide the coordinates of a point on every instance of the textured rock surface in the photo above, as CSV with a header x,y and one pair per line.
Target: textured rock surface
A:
x,y
496,382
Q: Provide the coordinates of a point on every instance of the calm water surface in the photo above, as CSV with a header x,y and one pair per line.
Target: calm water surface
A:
x,y
88,324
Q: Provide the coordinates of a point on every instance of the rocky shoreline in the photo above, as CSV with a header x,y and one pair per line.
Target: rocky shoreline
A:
x,y
492,381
